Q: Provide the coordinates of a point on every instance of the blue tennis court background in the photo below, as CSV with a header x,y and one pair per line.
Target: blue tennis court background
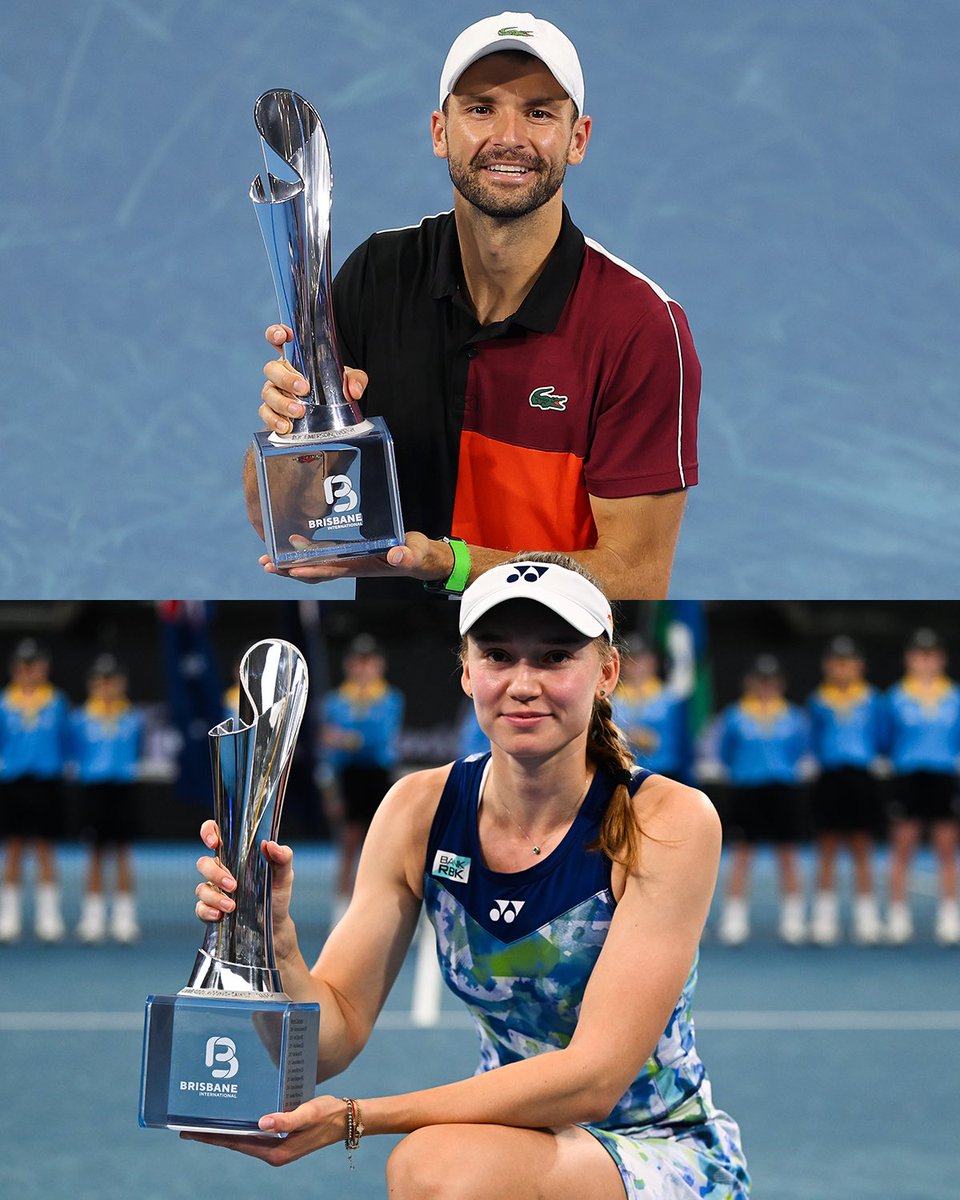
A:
x,y
840,1065
789,172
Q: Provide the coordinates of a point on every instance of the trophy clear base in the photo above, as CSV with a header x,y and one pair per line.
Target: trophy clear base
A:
x,y
219,1064
330,497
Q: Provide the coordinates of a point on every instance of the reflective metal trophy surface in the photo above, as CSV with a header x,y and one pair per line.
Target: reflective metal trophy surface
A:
x,y
231,1045
329,489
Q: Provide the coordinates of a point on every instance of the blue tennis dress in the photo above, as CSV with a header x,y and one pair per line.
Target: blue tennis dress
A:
x,y
518,949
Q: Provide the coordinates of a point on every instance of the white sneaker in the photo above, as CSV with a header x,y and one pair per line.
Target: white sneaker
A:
x,y
947,927
899,929
93,919
11,917
867,929
825,921
734,928
793,927
123,924
48,922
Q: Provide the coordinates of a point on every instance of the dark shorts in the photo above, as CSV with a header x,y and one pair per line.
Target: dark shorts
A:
x,y
847,800
31,807
109,813
772,812
925,796
362,789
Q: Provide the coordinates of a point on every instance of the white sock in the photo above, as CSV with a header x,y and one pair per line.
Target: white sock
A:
x,y
825,921
93,917
11,910
123,925
48,901
866,918
792,907
48,921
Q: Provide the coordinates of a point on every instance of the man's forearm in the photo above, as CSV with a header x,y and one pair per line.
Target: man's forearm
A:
x,y
647,579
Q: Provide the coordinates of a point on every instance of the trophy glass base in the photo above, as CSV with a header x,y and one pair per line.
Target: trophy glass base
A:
x,y
330,497
220,1064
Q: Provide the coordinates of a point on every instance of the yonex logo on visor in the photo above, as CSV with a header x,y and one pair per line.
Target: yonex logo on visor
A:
x,y
571,596
527,572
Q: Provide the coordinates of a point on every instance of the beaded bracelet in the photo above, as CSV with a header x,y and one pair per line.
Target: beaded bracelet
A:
x,y
354,1127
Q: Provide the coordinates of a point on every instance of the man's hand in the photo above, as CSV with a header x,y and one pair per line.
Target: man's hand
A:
x,y
283,393
419,557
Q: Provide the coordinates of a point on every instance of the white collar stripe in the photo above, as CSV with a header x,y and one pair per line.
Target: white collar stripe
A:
x,y
676,333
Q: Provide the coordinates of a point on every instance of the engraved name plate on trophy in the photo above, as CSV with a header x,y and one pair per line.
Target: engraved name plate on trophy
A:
x,y
328,490
231,1045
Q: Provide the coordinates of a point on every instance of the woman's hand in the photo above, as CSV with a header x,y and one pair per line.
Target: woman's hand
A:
x,y
320,1122
213,894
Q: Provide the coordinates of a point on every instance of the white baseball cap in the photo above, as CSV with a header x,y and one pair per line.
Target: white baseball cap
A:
x,y
565,592
516,31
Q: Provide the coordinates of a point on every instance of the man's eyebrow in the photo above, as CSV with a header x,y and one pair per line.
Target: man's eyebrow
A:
x,y
487,98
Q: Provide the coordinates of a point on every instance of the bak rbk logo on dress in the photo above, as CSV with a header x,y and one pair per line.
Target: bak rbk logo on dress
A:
x,y
455,867
544,398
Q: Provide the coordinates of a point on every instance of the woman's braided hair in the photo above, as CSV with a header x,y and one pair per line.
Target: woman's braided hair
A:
x,y
620,834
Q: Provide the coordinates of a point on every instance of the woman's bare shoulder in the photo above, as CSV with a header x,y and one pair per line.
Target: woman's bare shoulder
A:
x,y
411,803
673,811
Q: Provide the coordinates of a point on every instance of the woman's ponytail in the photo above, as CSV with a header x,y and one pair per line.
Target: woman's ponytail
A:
x,y
620,835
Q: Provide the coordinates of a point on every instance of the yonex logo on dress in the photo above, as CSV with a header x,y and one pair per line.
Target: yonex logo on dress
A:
x,y
544,398
506,910
526,573
451,866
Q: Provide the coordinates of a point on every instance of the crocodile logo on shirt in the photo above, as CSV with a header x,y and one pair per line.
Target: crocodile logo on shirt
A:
x,y
544,398
509,31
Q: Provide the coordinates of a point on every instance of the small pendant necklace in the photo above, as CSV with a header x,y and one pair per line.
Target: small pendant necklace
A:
x,y
538,847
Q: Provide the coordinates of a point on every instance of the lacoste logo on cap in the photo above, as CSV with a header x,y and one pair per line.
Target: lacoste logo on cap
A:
x,y
509,31
544,398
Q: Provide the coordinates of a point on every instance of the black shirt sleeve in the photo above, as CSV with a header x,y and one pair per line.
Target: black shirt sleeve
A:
x,y
348,305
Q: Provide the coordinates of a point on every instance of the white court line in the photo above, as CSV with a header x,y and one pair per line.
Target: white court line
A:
x,y
840,1020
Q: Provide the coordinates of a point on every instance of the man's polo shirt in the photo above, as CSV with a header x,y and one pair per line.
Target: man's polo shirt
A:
x,y
503,432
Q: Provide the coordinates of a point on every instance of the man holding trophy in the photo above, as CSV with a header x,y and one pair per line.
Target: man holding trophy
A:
x,y
539,392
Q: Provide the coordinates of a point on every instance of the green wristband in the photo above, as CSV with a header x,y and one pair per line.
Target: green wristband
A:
x,y
457,580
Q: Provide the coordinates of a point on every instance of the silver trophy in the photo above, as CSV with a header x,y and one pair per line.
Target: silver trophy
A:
x,y
231,1045
328,489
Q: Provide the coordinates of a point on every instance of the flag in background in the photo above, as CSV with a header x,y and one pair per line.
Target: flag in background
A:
x,y
194,689
679,632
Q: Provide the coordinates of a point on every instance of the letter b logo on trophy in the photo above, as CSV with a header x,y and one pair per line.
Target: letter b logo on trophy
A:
x,y
333,452
231,1045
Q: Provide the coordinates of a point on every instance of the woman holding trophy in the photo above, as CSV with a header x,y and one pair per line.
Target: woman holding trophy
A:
x,y
568,889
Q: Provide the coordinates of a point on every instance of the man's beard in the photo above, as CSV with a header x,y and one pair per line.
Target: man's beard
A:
x,y
503,205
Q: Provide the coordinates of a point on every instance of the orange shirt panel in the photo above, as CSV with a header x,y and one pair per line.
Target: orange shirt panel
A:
x,y
512,498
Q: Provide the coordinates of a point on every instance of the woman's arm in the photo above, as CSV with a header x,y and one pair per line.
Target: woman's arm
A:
x,y
361,958
631,994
